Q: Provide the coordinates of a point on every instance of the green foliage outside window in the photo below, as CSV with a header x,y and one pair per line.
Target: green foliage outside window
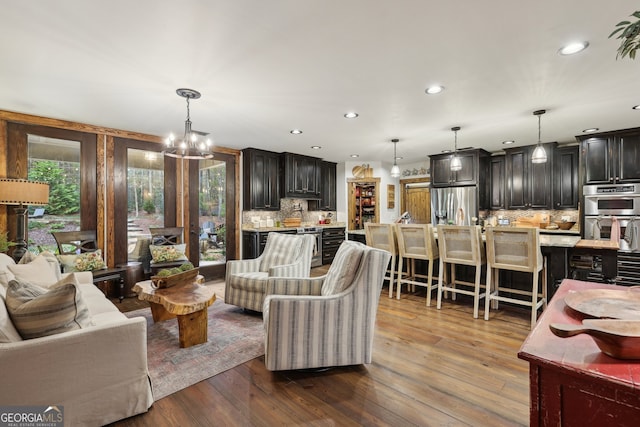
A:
x,y
64,198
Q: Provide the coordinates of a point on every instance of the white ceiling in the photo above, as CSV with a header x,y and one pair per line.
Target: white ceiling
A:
x,y
266,67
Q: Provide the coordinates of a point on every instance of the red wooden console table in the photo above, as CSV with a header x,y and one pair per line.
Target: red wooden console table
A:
x,y
572,383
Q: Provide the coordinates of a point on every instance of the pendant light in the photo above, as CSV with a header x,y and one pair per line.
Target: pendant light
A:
x,y
539,155
395,170
456,163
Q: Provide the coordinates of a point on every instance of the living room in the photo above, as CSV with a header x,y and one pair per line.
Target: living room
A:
x,y
106,79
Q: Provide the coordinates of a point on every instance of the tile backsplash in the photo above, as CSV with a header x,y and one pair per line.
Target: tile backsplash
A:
x,y
289,208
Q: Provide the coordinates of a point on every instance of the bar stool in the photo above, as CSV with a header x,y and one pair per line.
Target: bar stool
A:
x,y
383,236
461,245
515,249
416,241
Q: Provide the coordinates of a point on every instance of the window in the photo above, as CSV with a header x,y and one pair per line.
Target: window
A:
x,y
212,211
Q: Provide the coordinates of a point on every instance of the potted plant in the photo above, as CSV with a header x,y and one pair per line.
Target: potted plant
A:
x,y
5,243
629,33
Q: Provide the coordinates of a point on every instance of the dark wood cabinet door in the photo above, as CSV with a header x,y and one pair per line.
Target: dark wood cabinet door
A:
x,y
441,170
327,187
565,178
597,158
540,181
469,172
262,180
301,176
497,180
517,162
628,164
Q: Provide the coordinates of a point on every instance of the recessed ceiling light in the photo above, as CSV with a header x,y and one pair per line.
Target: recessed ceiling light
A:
x,y
508,142
399,158
445,151
572,48
636,107
590,130
432,90
315,147
355,156
351,115
295,131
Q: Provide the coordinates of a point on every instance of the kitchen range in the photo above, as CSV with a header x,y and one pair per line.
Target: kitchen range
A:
x,y
316,232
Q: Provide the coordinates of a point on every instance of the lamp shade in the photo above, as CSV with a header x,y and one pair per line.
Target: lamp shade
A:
x,y
15,191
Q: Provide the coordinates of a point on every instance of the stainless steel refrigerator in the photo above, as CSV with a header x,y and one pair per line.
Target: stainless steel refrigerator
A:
x,y
454,205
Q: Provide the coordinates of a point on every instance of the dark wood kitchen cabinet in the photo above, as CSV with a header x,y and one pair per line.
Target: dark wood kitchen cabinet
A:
x,y
301,176
326,188
332,238
262,177
565,177
610,158
528,184
497,181
474,162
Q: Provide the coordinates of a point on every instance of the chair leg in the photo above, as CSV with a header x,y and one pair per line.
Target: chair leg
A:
x,y
487,300
452,274
476,294
399,285
391,270
429,282
440,282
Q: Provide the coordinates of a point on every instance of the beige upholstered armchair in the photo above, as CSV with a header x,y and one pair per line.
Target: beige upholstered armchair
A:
x,y
329,320
285,255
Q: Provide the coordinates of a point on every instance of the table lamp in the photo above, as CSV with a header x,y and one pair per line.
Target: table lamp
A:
x,y
21,192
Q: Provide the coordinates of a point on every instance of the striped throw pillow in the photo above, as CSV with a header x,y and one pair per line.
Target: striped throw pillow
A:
x,y
343,269
281,249
38,312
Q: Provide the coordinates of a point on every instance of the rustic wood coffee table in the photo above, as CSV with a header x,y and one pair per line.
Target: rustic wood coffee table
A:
x,y
186,302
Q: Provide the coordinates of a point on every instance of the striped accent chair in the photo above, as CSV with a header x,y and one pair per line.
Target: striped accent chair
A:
x,y
284,255
329,320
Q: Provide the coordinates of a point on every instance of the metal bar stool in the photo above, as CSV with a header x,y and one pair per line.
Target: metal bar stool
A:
x,y
416,241
383,236
515,249
461,245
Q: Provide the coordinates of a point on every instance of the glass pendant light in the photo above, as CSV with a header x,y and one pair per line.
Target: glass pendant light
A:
x,y
395,170
539,155
456,163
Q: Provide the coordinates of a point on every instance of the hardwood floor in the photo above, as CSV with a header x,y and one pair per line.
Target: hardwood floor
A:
x,y
430,368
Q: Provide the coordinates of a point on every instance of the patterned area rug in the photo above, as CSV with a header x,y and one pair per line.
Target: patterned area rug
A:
x,y
235,337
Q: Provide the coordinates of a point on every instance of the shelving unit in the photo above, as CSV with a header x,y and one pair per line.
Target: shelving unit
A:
x,y
364,202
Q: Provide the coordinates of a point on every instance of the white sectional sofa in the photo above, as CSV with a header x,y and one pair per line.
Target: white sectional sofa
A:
x,y
98,373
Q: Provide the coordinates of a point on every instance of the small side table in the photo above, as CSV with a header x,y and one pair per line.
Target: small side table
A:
x,y
134,273
111,275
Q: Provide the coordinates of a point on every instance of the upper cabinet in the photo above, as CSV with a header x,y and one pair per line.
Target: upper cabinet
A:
x,y
327,187
528,184
262,176
301,176
497,182
610,157
565,178
473,162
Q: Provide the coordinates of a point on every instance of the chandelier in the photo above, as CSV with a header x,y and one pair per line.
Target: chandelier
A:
x,y
193,144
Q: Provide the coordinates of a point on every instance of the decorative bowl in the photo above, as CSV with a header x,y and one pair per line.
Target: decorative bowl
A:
x,y
184,278
565,225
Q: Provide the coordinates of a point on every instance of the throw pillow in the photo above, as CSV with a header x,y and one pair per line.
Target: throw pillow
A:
x,y
281,249
29,257
168,253
8,332
5,275
37,272
38,312
86,261
343,269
